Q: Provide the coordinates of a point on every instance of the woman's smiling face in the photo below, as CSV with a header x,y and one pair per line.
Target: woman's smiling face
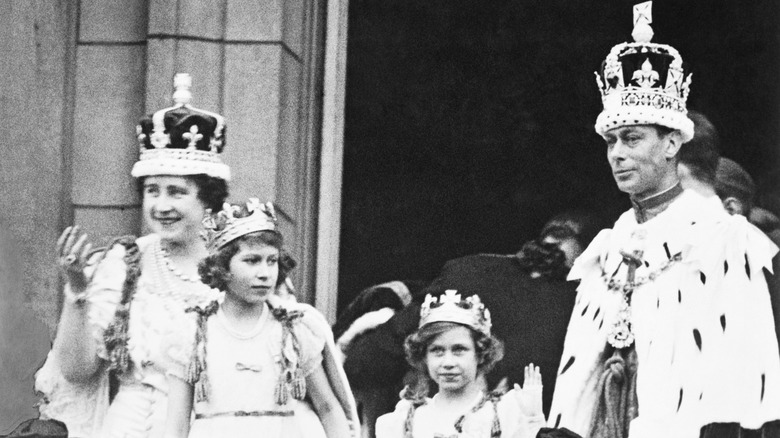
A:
x,y
171,207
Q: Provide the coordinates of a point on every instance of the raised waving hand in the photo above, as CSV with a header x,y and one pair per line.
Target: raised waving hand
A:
x,y
73,251
529,396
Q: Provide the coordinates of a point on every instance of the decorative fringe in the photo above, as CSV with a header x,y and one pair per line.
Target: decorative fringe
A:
x,y
416,399
299,385
494,397
281,393
617,402
196,370
495,431
292,382
115,337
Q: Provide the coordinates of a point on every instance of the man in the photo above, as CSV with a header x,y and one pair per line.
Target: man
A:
x,y
735,187
698,160
721,179
672,332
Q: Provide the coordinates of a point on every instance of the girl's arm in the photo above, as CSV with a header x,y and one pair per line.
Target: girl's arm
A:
x,y
180,393
327,406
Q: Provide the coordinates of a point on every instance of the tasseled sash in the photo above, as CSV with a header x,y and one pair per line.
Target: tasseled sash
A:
x,y
617,404
196,371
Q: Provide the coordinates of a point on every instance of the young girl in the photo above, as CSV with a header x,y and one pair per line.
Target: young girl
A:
x,y
453,349
256,358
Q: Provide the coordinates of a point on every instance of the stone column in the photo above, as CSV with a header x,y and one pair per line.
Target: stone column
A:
x,y
109,97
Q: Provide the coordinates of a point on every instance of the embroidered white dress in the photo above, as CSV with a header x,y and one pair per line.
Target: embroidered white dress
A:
x,y
243,370
431,421
704,332
159,331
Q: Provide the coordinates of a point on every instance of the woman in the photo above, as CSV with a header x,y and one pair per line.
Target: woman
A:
x,y
454,349
124,308
257,357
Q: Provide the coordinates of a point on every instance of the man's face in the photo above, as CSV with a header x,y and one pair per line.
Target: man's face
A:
x,y
640,159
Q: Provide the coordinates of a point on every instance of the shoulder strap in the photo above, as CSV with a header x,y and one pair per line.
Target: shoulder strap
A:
x,y
196,370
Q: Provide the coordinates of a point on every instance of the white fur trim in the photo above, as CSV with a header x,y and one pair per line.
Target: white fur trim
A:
x,y
615,116
366,322
180,167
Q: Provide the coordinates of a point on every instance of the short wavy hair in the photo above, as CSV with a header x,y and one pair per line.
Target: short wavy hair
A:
x,y
489,351
214,270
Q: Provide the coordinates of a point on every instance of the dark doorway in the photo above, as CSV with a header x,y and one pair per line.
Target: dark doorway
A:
x,y
469,122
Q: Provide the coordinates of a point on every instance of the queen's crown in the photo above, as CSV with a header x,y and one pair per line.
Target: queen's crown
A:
x,y
449,307
182,139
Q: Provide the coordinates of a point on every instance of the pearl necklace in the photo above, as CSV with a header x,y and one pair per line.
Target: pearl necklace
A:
x,y
169,264
243,335
169,285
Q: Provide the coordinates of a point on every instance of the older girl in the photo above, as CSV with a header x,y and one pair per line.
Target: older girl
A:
x,y
257,358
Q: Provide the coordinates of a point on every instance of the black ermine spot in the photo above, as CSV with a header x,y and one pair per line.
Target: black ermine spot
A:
x,y
679,402
763,386
568,364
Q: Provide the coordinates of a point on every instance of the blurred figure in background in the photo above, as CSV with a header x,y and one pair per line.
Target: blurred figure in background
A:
x,y
698,158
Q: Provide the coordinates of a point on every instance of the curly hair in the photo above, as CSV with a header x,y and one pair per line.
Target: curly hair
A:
x,y
489,351
214,270
212,191
545,257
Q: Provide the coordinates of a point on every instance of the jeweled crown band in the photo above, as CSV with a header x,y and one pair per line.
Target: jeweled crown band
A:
x,y
180,162
450,308
234,221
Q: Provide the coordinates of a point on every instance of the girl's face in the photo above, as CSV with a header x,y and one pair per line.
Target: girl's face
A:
x,y
452,362
253,273
171,207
